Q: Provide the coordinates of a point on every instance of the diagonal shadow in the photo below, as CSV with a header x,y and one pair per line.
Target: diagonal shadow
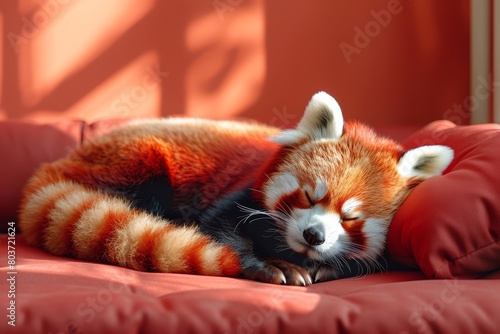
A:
x,y
150,33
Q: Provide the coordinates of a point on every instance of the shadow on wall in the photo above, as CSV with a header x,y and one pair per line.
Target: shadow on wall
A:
x,y
387,62
130,58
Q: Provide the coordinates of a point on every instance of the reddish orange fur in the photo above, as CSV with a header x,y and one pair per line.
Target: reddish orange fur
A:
x,y
191,163
66,231
223,161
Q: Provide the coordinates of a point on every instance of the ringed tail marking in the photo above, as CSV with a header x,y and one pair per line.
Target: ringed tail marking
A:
x,y
69,219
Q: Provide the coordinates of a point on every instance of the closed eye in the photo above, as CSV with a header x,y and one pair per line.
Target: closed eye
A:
x,y
351,210
311,202
352,216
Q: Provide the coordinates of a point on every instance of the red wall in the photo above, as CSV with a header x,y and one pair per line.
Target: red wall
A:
x,y
386,61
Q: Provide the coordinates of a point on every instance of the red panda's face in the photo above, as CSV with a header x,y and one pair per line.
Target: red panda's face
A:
x,y
337,197
336,186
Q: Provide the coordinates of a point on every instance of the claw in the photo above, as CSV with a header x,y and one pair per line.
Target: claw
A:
x,y
279,272
324,273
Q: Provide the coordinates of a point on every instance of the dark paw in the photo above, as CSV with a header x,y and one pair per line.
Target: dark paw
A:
x,y
323,273
278,272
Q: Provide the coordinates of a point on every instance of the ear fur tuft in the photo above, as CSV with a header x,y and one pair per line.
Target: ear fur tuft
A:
x,y
322,120
425,161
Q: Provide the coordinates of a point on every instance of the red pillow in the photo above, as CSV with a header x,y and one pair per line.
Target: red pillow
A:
x,y
449,226
24,146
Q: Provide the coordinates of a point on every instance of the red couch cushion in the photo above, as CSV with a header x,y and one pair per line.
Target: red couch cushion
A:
x,y
450,225
27,145
62,295
24,146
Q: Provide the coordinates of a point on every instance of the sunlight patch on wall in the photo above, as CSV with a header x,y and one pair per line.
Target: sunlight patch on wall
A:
x,y
29,7
228,67
134,91
72,38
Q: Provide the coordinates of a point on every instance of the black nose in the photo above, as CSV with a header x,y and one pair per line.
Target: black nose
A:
x,y
313,236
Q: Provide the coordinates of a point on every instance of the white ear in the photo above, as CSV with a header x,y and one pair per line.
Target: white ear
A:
x,y
322,120
425,161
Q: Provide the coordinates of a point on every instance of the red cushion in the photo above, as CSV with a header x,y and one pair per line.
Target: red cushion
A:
x,y
450,225
63,295
24,146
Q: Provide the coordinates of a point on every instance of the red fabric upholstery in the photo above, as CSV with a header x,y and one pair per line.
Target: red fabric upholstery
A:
x,y
23,147
450,225
59,295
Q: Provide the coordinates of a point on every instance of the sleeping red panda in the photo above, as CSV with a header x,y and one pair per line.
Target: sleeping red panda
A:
x,y
228,198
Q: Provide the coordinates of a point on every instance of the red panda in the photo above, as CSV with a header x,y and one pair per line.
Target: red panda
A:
x,y
228,198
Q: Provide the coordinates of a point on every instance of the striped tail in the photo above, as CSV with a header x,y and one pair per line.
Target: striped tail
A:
x,y
68,219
